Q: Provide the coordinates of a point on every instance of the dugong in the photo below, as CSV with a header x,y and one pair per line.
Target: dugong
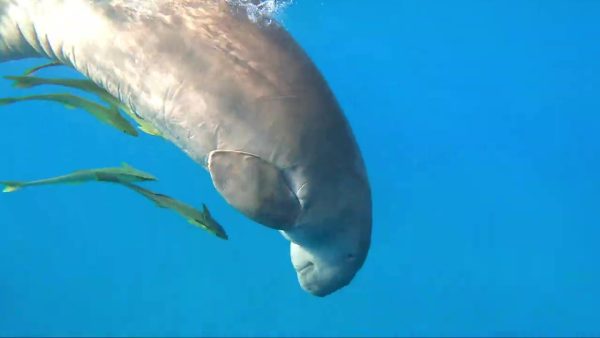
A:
x,y
241,98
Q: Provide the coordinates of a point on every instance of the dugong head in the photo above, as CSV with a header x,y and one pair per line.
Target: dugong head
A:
x,y
333,237
287,158
304,176
327,218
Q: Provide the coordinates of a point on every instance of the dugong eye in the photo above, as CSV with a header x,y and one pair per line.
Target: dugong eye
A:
x,y
350,257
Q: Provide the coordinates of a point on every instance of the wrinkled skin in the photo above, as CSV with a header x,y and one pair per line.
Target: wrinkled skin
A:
x,y
241,99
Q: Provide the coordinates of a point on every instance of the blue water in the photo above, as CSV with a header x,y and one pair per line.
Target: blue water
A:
x,y
479,122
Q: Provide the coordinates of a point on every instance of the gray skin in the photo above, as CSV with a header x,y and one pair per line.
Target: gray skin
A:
x,y
241,99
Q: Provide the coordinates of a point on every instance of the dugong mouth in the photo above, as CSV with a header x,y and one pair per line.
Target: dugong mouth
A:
x,y
318,282
307,268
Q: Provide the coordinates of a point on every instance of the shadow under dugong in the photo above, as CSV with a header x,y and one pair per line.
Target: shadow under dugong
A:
x,y
240,98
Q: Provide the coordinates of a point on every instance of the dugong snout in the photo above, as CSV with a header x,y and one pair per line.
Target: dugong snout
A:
x,y
327,253
327,218
332,263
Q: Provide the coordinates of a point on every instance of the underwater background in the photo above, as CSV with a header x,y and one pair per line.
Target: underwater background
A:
x,y
479,122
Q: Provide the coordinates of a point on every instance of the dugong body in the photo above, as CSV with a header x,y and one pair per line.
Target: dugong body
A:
x,y
241,99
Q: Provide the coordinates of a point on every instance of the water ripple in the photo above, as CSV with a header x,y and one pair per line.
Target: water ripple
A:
x,y
263,10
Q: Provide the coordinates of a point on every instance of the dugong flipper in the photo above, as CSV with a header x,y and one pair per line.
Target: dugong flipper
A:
x,y
240,98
